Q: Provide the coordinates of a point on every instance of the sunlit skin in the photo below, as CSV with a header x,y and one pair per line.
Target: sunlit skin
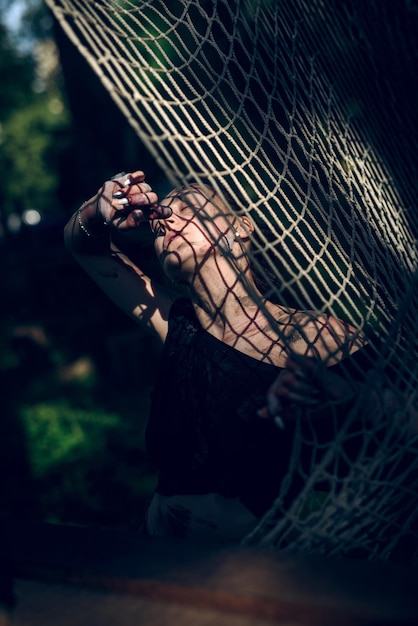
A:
x,y
188,240
191,228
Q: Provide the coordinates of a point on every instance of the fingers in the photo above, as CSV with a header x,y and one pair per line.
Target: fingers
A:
x,y
135,196
133,201
305,383
126,200
314,372
295,386
124,180
291,386
131,191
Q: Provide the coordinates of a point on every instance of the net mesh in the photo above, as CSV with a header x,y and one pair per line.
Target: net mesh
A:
x,y
304,114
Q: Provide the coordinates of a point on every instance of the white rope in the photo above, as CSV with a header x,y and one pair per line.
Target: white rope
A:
x,y
287,105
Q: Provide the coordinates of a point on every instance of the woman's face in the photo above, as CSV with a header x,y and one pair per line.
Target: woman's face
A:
x,y
193,233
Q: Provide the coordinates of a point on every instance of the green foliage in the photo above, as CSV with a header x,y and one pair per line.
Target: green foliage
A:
x,y
16,75
72,420
34,122
73,448
33,138
86,460
59,433
87,465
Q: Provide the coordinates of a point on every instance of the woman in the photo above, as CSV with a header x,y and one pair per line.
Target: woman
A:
x,y
220,463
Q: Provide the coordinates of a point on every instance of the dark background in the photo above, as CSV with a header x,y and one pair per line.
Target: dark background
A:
x,y
76,372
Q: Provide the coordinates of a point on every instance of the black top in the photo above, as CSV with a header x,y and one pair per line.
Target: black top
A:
x,y
204,432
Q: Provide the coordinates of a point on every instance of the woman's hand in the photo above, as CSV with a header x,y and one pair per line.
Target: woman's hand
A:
x,y
133,202
305,383
123,202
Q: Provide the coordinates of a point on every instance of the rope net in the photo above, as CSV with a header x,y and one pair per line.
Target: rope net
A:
x,y
303,115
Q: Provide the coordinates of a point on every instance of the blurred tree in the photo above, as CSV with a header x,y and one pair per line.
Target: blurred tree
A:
x,y
34,125
16,72
105,143
61,133
71,445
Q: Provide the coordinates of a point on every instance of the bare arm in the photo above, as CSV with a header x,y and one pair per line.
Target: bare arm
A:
x,y
323,337
88,236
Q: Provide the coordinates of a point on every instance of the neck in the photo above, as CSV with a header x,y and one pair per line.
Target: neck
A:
x,y
224,302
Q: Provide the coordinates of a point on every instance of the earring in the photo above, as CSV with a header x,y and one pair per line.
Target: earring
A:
x,y
230,240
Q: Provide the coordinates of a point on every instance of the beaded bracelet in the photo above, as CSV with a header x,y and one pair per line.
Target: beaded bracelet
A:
x,y
83,228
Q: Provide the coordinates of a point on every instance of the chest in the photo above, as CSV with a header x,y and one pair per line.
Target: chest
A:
x,y
205,375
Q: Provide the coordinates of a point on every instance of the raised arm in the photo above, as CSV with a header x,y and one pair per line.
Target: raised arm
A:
x,y
88,235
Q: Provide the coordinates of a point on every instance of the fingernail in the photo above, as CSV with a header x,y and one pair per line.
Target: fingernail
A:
x,y
127,182
137,215
163,211
123,201
118,175
117,194
278,420
168,212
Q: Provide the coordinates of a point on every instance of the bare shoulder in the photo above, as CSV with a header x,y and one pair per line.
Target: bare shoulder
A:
x,y
322,336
